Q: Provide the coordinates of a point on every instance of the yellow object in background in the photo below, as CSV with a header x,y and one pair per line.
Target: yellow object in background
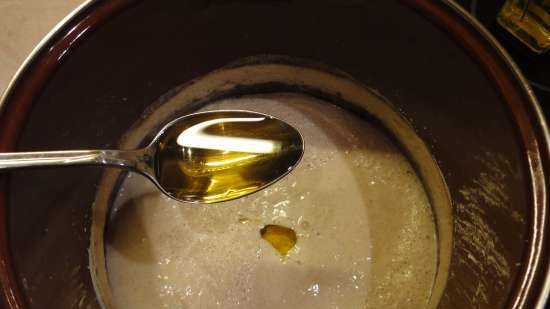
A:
x,y
529,21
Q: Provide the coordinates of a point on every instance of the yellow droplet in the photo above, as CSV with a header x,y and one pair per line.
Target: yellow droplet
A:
x,y
243,219
281,238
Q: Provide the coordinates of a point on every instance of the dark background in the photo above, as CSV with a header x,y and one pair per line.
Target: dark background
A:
x,y
536,68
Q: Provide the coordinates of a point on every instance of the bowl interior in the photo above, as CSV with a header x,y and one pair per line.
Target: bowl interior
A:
x,y
107,81
265,79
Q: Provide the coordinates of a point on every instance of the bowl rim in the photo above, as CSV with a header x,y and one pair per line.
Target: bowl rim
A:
x,y
532,287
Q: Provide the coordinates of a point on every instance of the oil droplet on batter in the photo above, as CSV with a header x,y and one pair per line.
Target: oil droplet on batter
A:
x,y
281,238
244,220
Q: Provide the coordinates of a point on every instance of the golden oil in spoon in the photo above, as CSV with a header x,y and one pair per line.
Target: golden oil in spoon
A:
x,y
217,156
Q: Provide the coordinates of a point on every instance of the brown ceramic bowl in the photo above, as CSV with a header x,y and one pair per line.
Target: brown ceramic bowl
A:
x,y
98,72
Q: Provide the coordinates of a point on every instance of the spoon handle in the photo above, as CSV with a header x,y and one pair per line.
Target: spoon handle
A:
x,y
139,160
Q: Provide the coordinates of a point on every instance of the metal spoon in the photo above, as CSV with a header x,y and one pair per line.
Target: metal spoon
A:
x,y
205,157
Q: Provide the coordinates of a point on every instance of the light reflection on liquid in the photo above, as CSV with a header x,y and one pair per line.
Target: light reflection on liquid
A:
x,y
197,137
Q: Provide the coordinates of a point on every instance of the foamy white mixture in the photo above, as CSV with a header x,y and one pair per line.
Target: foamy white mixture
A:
x,y
366,235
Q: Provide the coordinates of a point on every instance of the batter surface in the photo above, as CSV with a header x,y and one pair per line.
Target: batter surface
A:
x,y
366,236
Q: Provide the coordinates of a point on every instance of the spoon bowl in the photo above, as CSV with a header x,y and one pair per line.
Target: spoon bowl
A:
x,y
223,155
199,158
